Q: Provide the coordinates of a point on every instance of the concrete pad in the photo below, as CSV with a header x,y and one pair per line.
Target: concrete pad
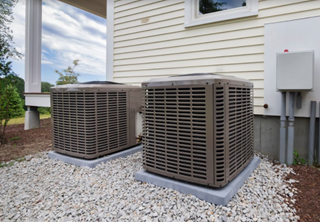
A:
x,y
92,163
219,196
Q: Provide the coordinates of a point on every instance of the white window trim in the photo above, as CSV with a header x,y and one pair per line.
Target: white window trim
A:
x,y
192,18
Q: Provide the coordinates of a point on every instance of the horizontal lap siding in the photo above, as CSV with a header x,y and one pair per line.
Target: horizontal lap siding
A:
x,y
163,47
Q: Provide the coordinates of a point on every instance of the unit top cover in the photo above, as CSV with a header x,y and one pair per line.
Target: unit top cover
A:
x,y
195,78
95,85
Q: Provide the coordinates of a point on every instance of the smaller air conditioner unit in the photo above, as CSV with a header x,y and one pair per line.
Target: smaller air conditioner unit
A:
x,y
198,127
94,119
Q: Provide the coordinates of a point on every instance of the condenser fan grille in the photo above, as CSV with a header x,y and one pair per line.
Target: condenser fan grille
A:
x,y
175,131
89,124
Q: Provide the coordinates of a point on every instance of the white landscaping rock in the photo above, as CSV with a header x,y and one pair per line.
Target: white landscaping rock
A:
x,y
44,189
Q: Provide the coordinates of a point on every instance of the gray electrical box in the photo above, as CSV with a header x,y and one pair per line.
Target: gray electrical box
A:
x,y
295,71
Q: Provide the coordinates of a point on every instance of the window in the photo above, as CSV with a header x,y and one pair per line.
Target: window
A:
x,y
198,12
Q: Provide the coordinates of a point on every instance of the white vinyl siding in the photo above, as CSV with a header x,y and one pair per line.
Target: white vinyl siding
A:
x,y
163,47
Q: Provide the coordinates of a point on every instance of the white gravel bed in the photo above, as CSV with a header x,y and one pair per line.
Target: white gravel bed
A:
x,y
43,189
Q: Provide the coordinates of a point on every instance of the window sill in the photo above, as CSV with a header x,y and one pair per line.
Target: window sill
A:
x,y
191,11
219,19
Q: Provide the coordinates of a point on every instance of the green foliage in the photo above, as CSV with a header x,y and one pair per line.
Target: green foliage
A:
x,y
45,86
15,138
19,84
11,163
10,101
208,6
297,159
10,106
44,110
5,66
15,81
6,164
6,37
68,76
11,98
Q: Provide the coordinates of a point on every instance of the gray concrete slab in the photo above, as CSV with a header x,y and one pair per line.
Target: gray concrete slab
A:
x,y
92,163
219,196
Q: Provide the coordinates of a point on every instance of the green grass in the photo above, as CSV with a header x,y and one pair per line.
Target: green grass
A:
x,y
20,120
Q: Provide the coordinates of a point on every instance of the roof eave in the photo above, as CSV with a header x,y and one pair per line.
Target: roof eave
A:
x,y
97,7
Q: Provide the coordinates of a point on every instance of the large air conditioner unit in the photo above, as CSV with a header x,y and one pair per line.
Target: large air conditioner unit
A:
x,y
198,127
93,119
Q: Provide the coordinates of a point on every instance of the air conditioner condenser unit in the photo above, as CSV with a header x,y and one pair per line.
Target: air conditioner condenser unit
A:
x,y
198,127
94,119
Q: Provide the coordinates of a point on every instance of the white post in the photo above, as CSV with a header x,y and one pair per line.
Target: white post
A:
x,y
110,48
33,46
33,58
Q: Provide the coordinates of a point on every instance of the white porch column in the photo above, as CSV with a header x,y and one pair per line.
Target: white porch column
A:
x,y
33,57
33,46
110,28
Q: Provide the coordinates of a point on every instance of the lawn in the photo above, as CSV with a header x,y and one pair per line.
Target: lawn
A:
x,y
20,120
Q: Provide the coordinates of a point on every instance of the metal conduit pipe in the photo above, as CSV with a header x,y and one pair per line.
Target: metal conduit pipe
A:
x,y
312,132
283,128
290,129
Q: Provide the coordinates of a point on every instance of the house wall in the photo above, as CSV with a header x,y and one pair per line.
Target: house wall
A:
x,y
150,41
267,135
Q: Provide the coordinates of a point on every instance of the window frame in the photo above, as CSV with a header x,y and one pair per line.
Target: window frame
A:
x,y
192,17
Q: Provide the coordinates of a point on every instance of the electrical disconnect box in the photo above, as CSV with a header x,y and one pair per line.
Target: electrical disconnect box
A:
x,y
295,71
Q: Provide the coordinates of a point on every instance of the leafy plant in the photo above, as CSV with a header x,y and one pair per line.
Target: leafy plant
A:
x,y
68,76
10,106
297,159
44,110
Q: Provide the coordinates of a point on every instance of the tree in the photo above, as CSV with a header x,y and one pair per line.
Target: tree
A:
x,y
69,76
10,102
15,81
6,38
45,86
208,6
10,107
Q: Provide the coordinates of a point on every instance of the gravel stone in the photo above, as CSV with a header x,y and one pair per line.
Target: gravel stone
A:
x,y
43,189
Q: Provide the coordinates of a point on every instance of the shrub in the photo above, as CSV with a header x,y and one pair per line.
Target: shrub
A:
x,y
44,110
10,106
